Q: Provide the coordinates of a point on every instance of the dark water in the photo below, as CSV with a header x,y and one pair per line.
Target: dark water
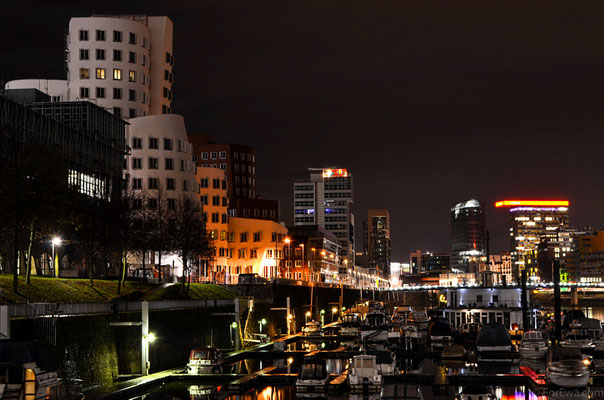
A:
x,y
180,391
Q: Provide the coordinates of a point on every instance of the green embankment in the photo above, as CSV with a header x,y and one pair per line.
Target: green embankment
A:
x,y
60,290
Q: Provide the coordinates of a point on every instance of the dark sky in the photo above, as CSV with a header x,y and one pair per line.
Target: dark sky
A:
x,y
425,102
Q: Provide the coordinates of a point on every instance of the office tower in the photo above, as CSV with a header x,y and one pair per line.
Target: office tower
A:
x,y
122,63
425,261
239,162
529,221
325,199
378,242
468,233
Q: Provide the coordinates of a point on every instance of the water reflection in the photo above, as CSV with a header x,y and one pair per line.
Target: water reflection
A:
x,y
180,391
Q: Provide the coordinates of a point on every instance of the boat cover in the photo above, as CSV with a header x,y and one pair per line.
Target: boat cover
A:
x,y
493,334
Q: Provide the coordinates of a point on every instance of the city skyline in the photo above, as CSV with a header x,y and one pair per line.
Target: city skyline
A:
x,y
515,96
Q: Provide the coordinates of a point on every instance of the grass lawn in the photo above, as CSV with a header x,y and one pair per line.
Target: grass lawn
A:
x,y
61,290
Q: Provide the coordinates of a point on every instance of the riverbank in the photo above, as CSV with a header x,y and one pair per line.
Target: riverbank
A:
x,y
63,290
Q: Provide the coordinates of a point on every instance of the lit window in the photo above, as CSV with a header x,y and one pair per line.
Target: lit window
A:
x,y
117,74
131,76
100,73
84,73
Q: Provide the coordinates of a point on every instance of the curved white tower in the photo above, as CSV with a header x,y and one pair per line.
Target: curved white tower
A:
x,y
122,63
161,158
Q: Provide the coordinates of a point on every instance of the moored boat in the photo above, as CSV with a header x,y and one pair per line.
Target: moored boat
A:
x,y
568,367
533,345
205,361
313,378
364,374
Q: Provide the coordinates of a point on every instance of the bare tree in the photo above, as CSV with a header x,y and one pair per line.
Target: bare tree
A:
x,y
189,235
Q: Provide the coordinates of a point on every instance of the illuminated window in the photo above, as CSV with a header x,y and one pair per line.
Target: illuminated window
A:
x,y
30,384
131,76
84,73
117,74
100,73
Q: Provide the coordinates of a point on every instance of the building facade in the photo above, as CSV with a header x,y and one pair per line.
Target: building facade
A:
x,y
529,221
122,63
425,261
468,233
502,264
325,200
161,159
314,254
255,246
239,162
377,233
255,208
90,139
214,202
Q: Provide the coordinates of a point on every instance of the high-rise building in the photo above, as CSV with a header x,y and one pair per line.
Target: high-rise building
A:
x,y
468,233
122,63
425,261
529,221
377,241
325,199
239,162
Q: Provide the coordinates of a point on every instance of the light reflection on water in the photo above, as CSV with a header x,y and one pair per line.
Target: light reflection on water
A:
x,y
180,391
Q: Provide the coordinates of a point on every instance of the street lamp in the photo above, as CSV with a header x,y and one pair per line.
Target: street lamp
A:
x,y
262,322
233,327
322,317
289,250
333,313
314,261
56,242
307,315
302,246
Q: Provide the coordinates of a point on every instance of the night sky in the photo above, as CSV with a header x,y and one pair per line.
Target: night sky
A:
x,y
425,102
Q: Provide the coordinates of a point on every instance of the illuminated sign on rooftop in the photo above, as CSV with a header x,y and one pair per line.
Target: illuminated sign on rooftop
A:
x,y
532,203
333,173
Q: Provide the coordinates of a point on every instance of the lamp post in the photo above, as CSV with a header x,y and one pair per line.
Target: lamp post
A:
x,y
302,246
333,313
262,322
233,327
313,262
288,261
322,317
56,242
307,315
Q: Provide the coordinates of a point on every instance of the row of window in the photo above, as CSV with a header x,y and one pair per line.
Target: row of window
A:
x,y
216,218
100,36
215,201
216,183
101,93
245,192
304,203
118,74
153,184
257,212
101,54
222,154
153,144
228,253
153,163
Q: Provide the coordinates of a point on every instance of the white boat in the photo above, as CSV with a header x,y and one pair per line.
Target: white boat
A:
x,y
374,330
583,343
312,328
312,379
205,361
386,363
584,334
28,371
533,345
476,393
440,333
568,367
350,327
364,374
401,391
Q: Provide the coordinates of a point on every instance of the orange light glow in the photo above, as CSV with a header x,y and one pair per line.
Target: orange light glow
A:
x,y
533,203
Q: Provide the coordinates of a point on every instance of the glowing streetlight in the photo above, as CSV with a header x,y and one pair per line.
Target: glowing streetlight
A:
x,y
233,327
56,242
151,337
307,315
262,322
289,250
333,313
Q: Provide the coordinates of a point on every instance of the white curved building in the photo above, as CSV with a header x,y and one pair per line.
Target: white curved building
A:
x,y
55,88
161,157
120,62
